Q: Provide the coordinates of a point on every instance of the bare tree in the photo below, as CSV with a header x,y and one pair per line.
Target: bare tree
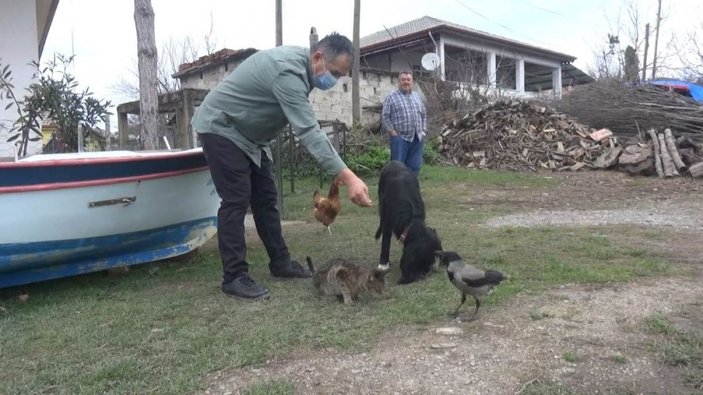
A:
x,y
690,55
172,54
148,73
628,30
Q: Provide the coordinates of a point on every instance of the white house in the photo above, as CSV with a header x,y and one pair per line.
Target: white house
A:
x,y
466,55
24,26
472,57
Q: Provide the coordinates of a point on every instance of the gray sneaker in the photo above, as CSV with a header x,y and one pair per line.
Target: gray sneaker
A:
x,y
245,288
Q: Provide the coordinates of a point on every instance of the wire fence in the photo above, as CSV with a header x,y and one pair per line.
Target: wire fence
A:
x,y
293,162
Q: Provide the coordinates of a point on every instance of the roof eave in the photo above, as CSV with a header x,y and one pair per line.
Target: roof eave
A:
x,y
200,68
395,42
47,26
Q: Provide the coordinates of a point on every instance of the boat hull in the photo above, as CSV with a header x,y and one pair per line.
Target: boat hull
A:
x,y
136,209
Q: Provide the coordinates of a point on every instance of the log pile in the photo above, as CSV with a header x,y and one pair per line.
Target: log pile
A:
x,y
627,109
662,155
518,135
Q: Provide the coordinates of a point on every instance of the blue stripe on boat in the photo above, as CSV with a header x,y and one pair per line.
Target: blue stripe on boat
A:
x,y
31,262
90,171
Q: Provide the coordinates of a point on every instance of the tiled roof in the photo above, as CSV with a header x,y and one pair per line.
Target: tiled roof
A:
x,y
216,58
388,37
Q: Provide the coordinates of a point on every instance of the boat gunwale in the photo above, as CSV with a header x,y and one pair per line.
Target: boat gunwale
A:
x,y
136,156
104,181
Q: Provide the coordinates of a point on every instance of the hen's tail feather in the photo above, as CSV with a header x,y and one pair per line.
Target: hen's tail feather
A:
x,y
334,191
316,198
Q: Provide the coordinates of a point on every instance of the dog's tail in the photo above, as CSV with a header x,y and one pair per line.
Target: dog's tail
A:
x,y
310,266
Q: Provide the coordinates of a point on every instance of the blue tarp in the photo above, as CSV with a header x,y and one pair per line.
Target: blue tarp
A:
x,y
696,91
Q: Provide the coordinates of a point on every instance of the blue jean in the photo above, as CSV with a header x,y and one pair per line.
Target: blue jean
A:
x,y
410,153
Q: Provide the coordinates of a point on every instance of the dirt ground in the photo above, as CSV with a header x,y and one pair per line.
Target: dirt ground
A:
x,y
525,340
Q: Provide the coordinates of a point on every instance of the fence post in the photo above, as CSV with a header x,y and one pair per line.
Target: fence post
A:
x,y
279,173
292,160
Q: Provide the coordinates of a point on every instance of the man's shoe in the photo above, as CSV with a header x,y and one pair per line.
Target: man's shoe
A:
x,y
245,288
289,269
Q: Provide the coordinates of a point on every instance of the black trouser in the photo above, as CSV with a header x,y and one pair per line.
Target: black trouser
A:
x,y
239,182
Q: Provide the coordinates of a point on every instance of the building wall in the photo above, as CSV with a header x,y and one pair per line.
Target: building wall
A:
x,y
393,62
209,78
330,105
336,103
18,48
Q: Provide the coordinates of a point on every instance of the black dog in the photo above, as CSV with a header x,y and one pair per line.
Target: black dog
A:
x,y
402,213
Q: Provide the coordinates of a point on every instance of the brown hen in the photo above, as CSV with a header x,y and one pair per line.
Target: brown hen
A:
x,y
327,208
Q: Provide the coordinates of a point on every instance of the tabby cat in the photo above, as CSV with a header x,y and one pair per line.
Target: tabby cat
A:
x,y
346,280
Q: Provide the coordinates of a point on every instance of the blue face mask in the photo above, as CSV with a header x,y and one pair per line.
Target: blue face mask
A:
x,y
324,81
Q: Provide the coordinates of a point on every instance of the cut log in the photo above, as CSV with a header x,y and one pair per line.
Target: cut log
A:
x,y
644,168
608,159
657,156
634,154
667,162
689,157
696,170
686,142
671,145
601,134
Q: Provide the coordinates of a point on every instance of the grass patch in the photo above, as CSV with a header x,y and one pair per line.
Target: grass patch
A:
x,y
677,348
569,356
618,358
164,330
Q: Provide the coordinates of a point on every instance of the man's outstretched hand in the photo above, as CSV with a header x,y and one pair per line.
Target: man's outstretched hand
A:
x,y
356,188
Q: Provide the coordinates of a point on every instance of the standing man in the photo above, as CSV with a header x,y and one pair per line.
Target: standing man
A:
x,y
405,119
235,123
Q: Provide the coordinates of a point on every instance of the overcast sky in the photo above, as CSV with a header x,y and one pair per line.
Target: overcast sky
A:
x,y
102,34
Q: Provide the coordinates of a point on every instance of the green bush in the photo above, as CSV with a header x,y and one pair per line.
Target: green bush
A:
x,y
375,156
370,161
431,154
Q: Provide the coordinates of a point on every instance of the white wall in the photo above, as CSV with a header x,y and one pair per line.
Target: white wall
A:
x,y
336,103
18,47
330,105
396,60
209,78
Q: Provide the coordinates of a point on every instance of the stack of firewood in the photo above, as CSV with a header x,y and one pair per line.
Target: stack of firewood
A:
x,y
663,155
519,135
628,109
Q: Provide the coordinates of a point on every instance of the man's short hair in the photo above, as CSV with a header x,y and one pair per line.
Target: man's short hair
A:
x,y
333,45
408,72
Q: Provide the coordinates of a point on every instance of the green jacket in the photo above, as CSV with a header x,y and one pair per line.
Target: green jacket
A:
x,y
255,101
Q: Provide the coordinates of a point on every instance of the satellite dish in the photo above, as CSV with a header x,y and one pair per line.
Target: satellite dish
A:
x,y
430,61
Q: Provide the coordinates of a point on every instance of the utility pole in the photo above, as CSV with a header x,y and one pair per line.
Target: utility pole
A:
x,y
656,41
279,23
313,36
356,101
646,48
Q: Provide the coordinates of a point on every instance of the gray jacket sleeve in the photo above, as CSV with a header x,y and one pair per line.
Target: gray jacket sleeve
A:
x,y
292,95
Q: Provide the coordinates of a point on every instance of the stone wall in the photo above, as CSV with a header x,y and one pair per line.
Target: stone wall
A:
x,y
336,103
208,78
332,105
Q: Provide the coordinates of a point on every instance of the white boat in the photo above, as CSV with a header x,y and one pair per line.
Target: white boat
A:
x,y
67,214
